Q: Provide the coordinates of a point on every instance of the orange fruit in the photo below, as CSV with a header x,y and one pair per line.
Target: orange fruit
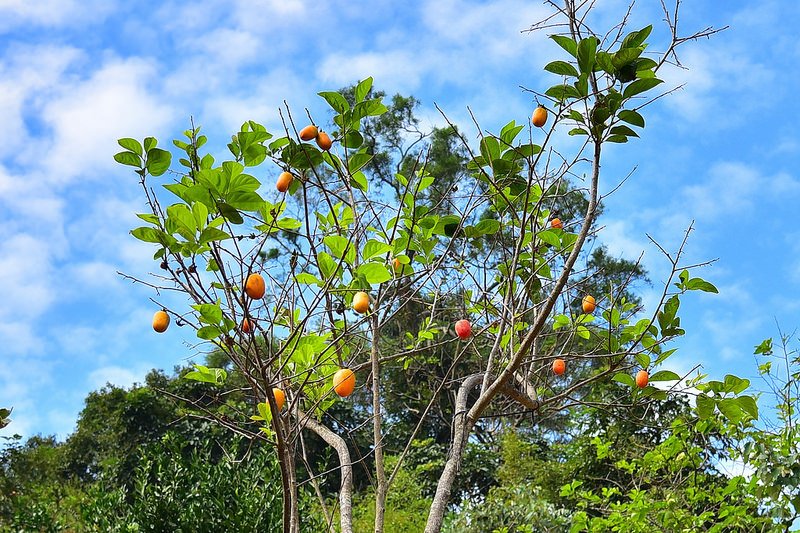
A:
x,y
559,366
255,287
361,302
539,117
309,132
247,326
641,378
463,329
284,181
344,382
160,321
324,141
397,265
280,397
588,304
556,223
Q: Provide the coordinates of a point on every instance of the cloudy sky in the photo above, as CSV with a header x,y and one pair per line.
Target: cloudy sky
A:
x,y
76,75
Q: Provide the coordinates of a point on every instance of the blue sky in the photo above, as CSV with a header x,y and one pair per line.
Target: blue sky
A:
x,y
75,76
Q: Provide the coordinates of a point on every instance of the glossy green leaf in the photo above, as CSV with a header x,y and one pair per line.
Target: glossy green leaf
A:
x,y
567,44
562,68
158,161
128,158
131,144
640,86
374,273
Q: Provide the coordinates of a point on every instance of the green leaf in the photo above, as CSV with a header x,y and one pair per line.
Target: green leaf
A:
x,y
209,332
326,264
352,139
357,161
158,161
307,279
487,227
617,139
636,38
212,234
562,92
230,213
373,248
209,313
732,409
623,130
665,375
336,101
748,405
567,44
765,348
631,117
640,86
578,131
148,217
528,150
735,384
337,244
245,200
374,273
131,144
561,67
128,158
362,89
149,143
148,234
698,284
624,378
585,54
705,406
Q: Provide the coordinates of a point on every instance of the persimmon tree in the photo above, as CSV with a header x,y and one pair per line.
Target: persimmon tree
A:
x,y
485,250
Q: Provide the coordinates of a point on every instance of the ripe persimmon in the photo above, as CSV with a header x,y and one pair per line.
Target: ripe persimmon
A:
x,y
556,223
344,382
324,141
255,286
559,366
588,304
247,326
160,321
280,397
361,302
309,132
539,117
463,329
284,181
641,378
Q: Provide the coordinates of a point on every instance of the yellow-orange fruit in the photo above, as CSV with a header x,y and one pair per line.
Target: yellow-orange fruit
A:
x,y
284,181
247,326
556,223
324,141
539,117
588,304
344,382
559,366
280,397
641,378
361,302
160,321
309,132
255,287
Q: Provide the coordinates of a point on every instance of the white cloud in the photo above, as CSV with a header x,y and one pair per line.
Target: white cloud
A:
x,y
116,375
89,116
52,12
25,275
